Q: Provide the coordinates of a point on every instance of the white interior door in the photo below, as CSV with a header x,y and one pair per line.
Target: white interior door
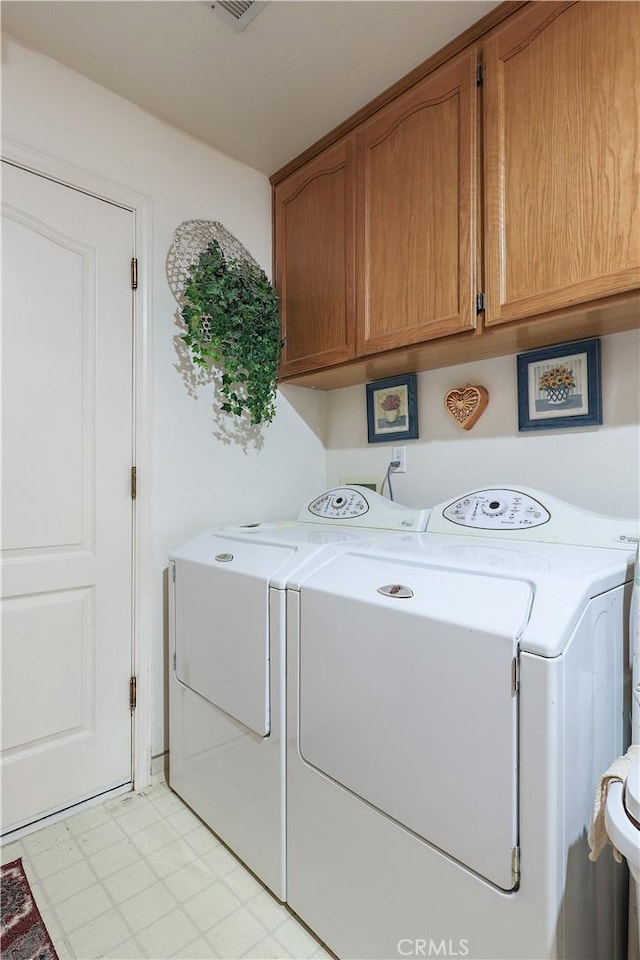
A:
x,y
67,440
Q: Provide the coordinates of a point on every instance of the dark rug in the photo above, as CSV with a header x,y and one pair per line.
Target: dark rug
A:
x,y
23,935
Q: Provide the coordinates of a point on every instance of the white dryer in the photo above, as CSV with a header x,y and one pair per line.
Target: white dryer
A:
x,y
227,646
452,701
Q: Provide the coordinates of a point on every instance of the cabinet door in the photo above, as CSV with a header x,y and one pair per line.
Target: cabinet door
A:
x,y
314,271
561,95
416,212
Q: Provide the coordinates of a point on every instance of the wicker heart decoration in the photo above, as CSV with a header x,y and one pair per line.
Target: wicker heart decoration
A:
x,y
466,404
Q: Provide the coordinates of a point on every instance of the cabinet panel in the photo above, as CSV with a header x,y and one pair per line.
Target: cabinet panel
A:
x,y
416,212
562,102
314,236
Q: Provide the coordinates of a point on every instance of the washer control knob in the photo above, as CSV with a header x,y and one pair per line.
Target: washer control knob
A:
x,y
494,508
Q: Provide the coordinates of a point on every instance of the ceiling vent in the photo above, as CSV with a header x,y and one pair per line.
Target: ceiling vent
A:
x,y
239,13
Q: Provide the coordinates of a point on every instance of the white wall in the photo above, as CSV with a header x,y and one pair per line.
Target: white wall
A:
x,y
200,476
597,468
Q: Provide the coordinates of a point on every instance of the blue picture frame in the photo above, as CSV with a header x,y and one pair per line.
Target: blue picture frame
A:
x,y
560,387
392,409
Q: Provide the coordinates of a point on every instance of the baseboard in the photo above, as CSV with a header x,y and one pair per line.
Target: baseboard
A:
x,y
160,768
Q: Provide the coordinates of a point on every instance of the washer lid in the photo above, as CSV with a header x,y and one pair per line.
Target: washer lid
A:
x,y
632,792
473,600
407,695
562,578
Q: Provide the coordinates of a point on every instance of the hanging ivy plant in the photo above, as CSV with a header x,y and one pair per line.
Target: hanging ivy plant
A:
x,y
230,311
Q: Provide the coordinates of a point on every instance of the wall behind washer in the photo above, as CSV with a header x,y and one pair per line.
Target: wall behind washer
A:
x,y
597,468
199,477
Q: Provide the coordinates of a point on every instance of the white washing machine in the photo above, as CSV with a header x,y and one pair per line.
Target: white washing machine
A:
x,y
227,682
452,701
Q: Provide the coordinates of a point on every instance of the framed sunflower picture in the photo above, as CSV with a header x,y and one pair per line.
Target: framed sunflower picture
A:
x,y
560,387
392,409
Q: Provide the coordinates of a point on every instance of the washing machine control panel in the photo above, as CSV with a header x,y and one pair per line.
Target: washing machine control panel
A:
x,y
497,510
339,504
530,514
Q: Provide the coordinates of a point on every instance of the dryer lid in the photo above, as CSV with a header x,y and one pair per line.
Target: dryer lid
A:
x,y
276,552
222,626
243,555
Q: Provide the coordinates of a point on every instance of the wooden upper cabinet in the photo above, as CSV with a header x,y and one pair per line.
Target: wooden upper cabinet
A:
x,y
314,260
416,212
562,103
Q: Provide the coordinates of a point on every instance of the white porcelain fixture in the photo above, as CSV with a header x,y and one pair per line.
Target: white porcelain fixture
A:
x,y
452,699
227,647
622,819
622,811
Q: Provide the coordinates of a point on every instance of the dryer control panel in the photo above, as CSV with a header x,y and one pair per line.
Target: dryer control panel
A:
x,y
360,507
497,510
339,503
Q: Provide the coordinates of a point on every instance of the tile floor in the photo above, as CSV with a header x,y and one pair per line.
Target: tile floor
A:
x,y
141,876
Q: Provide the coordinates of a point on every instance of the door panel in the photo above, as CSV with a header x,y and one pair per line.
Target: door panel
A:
x,y
314,231
416,212
67,512
562,149
44,628
48,515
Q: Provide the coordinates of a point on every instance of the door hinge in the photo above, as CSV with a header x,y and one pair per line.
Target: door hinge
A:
x,y
134,483
175,658
133,694
134,273
515,676
479,75
480,302
173,571
515,865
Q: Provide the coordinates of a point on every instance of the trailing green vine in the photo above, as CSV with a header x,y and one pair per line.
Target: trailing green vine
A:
x,y
230,311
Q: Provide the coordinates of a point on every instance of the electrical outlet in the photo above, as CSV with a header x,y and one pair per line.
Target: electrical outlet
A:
x,y
400,454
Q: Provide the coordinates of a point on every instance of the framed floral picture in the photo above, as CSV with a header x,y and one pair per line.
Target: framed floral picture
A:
x,y
392,409
560,387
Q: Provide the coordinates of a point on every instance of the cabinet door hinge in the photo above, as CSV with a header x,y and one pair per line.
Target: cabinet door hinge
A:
x,y
134,273
134,483
480,302
479,75
133,694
